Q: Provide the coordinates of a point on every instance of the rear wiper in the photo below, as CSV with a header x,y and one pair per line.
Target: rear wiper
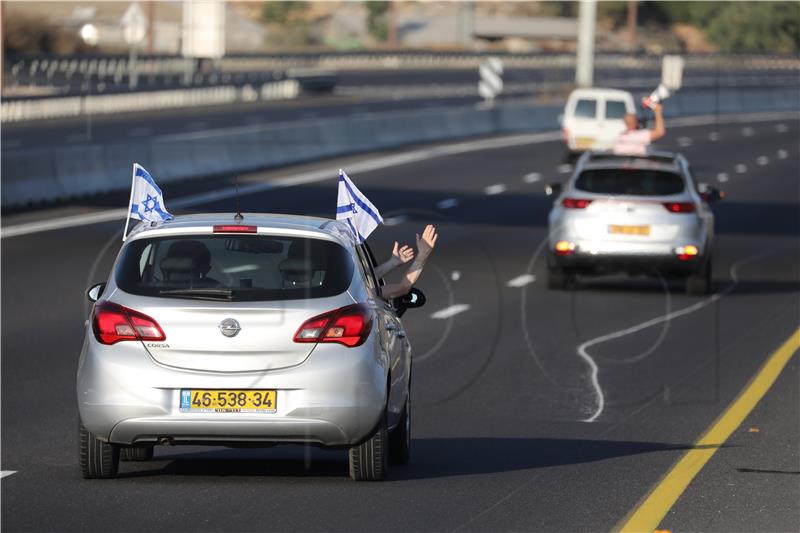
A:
x,y
207,293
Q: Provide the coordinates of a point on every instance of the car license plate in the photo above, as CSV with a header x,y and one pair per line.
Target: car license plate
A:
x,y
584,143
629,230
228,401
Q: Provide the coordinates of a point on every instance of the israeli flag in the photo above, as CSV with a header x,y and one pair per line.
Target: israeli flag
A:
x,y
147,201
356,209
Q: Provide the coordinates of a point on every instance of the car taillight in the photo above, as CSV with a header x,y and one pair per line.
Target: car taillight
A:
x,y
685,253
112,323
679,207
348,325
575,203
235,229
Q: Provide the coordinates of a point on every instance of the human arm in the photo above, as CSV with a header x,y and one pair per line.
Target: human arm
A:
x,y
659,130
425,246
400,256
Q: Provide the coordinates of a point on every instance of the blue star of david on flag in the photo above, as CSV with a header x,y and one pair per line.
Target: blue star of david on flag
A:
x,y
147,201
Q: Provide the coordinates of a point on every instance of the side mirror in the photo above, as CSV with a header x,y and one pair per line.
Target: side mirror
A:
x,y
414,298
95,292
710,194
552,189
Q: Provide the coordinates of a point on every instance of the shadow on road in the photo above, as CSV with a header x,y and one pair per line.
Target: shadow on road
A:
x,y
431,458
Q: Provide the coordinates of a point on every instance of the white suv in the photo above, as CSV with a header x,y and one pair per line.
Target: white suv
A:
x,y
593,118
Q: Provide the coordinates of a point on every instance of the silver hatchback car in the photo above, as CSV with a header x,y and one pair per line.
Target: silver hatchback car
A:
x,y
634,214
225,331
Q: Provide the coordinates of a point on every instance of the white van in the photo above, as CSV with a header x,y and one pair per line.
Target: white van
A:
x,y
593,118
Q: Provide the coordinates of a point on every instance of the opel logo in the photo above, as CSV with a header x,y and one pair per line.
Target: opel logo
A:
x,y
229,327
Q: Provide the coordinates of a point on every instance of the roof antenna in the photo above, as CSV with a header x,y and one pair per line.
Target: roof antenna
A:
x,y
238,216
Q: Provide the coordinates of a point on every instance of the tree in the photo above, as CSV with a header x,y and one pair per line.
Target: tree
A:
x,y
376,19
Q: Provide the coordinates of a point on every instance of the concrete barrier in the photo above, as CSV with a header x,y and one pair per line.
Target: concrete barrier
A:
x,y
56,173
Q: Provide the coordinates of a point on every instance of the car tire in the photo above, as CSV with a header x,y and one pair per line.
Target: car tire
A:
x,y
136,453
98,459
369,460
400,437
699,283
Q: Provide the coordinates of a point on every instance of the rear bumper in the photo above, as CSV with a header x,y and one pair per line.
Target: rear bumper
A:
x,y
665,264
335,398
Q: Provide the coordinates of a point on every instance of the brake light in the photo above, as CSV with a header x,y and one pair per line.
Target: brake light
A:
x,y
679,207
348,325
112,323
565,248
687,252
575,203
235,229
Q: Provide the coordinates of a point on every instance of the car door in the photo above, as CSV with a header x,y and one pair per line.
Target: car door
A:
x,y
395,339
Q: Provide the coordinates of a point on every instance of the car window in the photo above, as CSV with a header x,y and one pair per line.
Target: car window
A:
x,y
247,267
625,181
615,109
366,267
586,109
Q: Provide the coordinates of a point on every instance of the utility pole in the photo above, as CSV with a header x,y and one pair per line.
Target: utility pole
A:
x,y
584,66
151,26
632,16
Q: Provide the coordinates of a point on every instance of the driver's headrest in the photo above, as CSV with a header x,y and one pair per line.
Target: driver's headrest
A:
x,y
186,257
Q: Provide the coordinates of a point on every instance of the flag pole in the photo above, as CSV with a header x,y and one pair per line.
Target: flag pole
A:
x,y
130,204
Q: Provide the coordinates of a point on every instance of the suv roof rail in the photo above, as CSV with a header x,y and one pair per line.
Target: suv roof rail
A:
x,y
663,157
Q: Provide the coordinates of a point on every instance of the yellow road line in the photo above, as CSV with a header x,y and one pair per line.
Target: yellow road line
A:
x,y
649,512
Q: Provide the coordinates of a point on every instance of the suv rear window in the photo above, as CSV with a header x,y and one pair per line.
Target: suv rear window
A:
x,y
234,268
630,181
586,109
615,109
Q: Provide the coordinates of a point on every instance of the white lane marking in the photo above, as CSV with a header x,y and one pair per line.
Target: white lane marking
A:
x,y
6,473
312,176
781,128
741,169
713,136
565,168
783,154
498,188
533,177
394,221
447,312
684,141
521,281
455,275
762,160
447,203
652,322
722,177
365,165
747,131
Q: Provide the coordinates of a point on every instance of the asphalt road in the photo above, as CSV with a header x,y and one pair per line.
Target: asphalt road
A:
x,y
500,391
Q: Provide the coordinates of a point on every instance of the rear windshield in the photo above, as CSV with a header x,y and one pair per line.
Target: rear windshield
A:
x,y
636,182
615,109
586,109
234,268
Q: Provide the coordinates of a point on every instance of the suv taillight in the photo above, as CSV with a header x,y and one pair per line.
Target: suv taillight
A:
x,y
679,207
112,323
575,203
348,325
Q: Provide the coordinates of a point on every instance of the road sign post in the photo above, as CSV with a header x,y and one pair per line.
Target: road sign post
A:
x,y
134,29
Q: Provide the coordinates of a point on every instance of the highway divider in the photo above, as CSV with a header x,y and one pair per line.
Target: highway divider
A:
x,y
56,173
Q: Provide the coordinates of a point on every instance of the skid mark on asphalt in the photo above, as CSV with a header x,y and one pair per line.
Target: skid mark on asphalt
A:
x,y
594,371
449,325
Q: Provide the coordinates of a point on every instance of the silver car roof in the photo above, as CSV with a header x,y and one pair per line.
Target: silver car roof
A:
x,y
270,222
653,160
